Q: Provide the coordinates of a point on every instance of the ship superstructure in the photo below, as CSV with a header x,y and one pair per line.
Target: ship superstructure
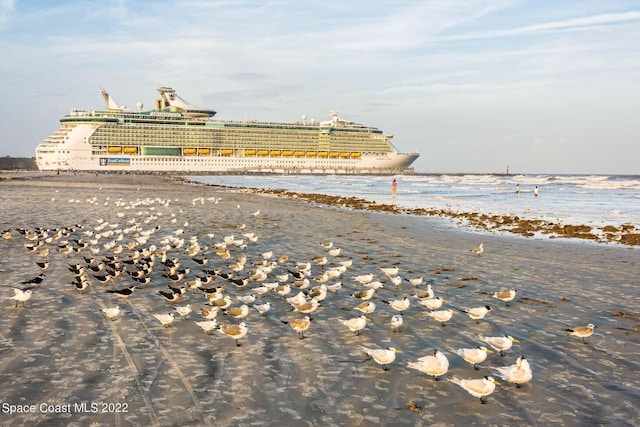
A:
x,y
177,136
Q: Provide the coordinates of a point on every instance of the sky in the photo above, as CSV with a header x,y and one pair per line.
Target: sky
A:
x,y
549,87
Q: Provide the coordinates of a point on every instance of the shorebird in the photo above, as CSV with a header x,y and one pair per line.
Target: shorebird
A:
x,y
123,293
501,344
21,296
442,315
165,319
209,313
364,278
582,331
355,324
518,373
112,313
171,296
382,356
505,296
263,308
399,304
396,322
44,265
481,387
308,307
208,325
35,281
299,325
432,303
478,250
474,355
183,310
234,331
80,284
364,295
367,307
433,365
477,313
390,271
238,312
425,294
416,281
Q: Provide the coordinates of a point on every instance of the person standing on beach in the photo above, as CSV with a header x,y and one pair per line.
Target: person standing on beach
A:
x,y
517,189
394,186
535,191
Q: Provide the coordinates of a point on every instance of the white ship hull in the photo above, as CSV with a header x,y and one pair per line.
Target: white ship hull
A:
x,y
102,141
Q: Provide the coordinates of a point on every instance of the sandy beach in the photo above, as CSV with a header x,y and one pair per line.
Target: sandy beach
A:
x,y
63,362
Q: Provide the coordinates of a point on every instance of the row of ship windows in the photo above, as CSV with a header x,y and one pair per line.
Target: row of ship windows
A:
x,y
239,162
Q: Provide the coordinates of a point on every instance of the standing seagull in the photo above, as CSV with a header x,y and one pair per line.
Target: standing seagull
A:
x,y
481,388
433,365
111,312
518,373
477,313
501,344
382,356
299,325
234,331
582,331
505,296
355,324
479,249
474,355
165,319
21,296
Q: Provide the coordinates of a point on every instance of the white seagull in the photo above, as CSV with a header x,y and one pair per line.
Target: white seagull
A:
x,y
382,356
355,324
433,365
479,249
477,313
442,315
505,296
111,312
165,319
474,355
481,387
21,296
518,373
501,344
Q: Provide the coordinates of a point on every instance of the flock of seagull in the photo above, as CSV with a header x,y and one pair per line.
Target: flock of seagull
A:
x,y
228,278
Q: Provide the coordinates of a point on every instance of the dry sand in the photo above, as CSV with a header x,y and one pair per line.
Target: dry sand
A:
x,y
61,352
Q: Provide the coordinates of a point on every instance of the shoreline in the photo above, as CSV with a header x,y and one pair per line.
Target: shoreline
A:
x,y
626,234
61,349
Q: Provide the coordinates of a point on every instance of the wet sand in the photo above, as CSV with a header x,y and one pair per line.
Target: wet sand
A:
x,y
65,363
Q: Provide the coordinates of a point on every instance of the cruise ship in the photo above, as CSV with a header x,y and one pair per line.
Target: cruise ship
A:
x,y
177,136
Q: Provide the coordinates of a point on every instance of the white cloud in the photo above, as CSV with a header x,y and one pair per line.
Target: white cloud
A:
x,y
6,10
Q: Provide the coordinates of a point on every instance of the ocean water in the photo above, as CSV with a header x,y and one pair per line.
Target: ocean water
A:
x,y
594,200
